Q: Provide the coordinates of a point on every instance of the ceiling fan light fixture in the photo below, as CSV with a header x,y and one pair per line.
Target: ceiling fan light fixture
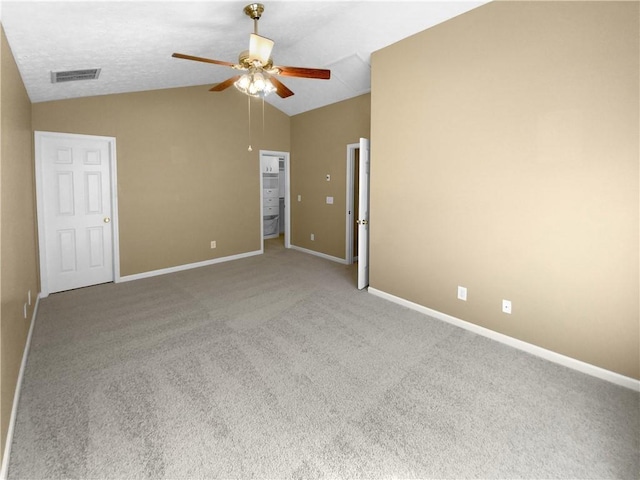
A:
x,y
255,83
243,82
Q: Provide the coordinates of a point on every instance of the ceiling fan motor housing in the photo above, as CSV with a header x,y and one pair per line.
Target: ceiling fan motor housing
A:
x,y
246,61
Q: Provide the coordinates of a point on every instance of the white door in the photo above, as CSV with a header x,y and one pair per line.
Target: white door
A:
x,y
363,215
75,210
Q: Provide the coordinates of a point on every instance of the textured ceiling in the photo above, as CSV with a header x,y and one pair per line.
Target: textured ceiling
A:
x,y
132,42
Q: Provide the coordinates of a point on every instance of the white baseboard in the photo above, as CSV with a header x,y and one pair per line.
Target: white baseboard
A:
x,y
558,358
4,470
318,254
188,266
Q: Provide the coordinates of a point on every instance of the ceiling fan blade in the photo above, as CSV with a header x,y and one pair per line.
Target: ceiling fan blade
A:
x,y
281,89
260,48
223,85
318,73
201,59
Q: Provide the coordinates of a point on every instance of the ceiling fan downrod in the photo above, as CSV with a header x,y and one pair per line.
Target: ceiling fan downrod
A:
x,y
254,11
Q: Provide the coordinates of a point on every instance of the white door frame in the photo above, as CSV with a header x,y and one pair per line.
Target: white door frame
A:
x,y
351,161
39,173
287,196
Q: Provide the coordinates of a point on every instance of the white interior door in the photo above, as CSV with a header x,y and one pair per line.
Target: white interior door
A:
x,y
363,215
75,210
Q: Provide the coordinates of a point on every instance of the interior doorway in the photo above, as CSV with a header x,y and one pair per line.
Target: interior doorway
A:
x,y
275,197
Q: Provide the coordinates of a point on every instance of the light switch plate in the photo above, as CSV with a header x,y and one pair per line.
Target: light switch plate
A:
x,y
329,200
462,293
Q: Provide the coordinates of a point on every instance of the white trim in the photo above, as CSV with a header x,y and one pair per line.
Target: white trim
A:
x,y
351,148
261,213
287,200
39,175
115,222
321,255
188,266
4,471
554,357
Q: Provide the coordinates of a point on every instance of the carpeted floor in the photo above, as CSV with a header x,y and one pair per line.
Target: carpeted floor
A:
x,y
276,366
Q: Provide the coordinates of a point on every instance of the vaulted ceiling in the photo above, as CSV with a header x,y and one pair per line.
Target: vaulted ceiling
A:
x,y
132,42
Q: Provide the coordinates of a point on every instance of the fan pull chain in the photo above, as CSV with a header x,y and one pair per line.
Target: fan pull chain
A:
x,y
249,104
263,117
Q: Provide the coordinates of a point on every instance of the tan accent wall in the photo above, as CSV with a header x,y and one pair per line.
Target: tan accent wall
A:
x,y
319,140
513,170
185,176
18,253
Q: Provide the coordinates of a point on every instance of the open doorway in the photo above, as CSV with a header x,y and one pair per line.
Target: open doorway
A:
x,y
274,199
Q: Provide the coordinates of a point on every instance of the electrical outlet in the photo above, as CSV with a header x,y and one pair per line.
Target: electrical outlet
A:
x,y
313,237
462,293
213,244
299,198
506,306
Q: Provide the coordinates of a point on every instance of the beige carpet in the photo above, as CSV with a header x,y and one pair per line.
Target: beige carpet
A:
x,y
276,366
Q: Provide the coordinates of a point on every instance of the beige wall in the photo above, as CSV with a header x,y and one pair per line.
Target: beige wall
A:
x,y
319,140
18,254
185,176
513,171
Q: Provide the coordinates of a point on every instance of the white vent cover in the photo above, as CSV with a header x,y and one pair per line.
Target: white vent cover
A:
x,y
75,75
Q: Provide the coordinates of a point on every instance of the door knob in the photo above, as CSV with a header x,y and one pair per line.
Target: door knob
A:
x,y
106,220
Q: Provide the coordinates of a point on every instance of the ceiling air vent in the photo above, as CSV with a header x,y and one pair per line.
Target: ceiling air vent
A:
x,y
75,75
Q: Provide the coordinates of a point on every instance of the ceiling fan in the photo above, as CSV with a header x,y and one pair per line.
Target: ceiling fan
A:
x,y
259,79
